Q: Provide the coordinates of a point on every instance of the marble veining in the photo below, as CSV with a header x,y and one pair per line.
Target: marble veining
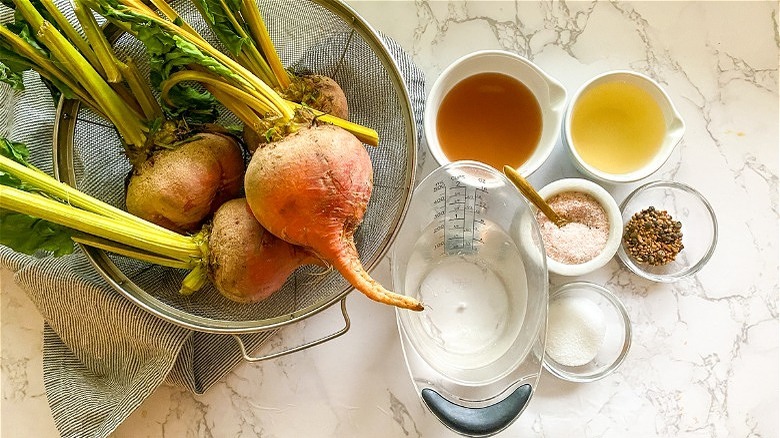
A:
x,y
704,358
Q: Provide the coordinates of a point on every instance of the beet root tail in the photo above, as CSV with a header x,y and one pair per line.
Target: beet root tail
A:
x,y
350,267
372,289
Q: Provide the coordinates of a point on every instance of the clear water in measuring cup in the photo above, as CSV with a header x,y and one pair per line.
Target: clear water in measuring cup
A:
x,y
469,274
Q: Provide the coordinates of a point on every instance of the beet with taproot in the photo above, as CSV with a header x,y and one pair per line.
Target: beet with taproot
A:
x,y
312,189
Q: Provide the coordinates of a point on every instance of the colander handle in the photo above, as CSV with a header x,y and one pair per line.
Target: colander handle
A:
x,y
319,341
478,422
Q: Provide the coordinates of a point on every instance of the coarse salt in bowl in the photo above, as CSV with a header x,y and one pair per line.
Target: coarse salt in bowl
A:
x,y
614,227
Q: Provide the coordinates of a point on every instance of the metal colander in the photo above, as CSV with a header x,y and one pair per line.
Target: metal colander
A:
x,y
321,36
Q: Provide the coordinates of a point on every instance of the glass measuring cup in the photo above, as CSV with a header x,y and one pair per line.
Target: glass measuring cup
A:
x,y
471,251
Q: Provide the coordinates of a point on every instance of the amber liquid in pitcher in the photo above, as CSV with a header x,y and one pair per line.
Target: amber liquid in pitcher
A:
x,y
489,117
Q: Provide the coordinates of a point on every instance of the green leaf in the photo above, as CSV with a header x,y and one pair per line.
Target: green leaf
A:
x,y
23,30
21,232
169,53
12,59
12,65
11,78
196,106
15,151
220,23
236,130
19,153
27,235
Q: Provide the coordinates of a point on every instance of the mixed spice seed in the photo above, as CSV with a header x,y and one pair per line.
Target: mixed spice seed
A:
x,y
652,236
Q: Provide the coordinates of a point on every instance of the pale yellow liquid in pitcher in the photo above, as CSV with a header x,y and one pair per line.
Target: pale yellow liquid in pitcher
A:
x,y
617,127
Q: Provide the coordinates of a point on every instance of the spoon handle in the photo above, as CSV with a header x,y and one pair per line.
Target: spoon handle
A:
x,y
529,192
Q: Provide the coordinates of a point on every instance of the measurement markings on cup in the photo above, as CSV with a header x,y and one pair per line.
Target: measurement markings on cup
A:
x,y
458,214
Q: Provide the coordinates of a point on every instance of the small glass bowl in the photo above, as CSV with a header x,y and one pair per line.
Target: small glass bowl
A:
x,y
617,336
699,228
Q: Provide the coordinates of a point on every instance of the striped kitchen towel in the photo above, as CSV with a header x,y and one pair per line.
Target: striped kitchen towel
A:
x,y
103,351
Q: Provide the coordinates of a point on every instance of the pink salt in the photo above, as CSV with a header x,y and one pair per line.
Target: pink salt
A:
x,y
584,237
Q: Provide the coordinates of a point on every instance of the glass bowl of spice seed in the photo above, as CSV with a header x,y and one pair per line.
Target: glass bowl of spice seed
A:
x,y
670,231
592,235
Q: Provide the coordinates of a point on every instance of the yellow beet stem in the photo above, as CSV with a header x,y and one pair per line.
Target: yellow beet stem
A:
x,y
104,226
238,107
252,84
198,277
364,134
29,13
105,56
79,68
194,281
134,253
139,6
45,67
256,65
112,106
74,197
172,15
246,80
252,59
261,67
180,248
142,93
257,100
70,32
260,35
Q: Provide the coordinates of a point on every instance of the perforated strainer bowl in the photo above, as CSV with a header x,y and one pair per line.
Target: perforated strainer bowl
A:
x,y
322,36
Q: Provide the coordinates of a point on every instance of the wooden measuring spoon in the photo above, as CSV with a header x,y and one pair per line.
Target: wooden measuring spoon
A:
x,y
529,192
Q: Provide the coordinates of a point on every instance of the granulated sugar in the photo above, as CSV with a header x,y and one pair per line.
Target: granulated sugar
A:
x,y
584,237
576,331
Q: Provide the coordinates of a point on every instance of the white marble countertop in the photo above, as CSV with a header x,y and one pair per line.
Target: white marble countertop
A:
x,y
704,360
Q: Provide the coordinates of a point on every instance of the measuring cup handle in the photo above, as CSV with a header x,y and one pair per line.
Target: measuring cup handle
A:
x,y
478,422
